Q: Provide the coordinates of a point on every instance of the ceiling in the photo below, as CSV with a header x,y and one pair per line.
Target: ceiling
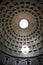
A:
x,y
12,37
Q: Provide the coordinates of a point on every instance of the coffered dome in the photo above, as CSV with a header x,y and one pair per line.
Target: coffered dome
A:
x,y
12,36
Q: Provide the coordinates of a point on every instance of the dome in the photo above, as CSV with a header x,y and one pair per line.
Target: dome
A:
x,y
21,28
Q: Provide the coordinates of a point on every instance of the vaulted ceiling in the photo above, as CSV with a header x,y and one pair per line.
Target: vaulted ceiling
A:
x,y
12,37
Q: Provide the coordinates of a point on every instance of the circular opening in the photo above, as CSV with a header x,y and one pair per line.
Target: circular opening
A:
x,y
23,23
